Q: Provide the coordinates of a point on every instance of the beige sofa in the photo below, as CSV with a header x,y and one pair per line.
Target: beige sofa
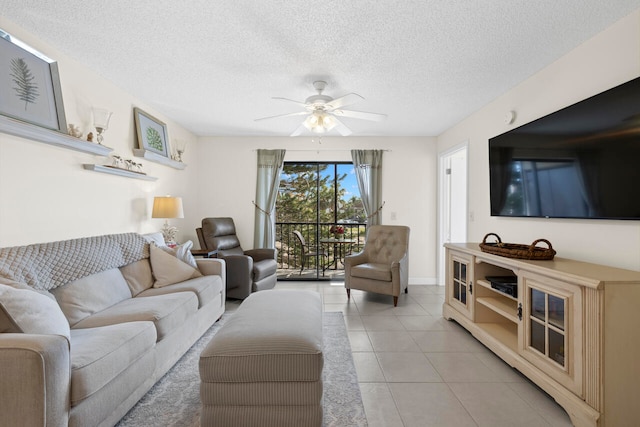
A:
x,y
87,326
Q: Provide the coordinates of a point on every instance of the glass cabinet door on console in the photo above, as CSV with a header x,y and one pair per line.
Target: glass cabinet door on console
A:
x,y
552,338
460,293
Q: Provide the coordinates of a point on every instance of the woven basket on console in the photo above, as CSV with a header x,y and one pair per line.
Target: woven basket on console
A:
x,y
514,250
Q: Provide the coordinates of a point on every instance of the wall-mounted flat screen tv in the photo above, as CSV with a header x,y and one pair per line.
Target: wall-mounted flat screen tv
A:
x,y
580,162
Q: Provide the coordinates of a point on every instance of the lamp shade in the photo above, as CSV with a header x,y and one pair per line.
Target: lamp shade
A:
x,y
167,207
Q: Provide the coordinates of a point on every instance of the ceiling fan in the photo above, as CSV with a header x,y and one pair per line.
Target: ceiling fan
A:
x,y
322,112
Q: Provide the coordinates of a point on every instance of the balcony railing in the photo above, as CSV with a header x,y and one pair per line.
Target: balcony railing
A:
x,y
290,250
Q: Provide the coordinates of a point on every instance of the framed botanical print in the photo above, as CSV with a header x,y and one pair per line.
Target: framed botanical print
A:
x,y
151,132
30,88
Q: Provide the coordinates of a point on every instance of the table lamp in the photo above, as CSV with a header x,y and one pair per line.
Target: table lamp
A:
x,y
168,207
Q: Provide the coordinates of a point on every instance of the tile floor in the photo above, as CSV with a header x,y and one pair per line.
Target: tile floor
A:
x,y
417,369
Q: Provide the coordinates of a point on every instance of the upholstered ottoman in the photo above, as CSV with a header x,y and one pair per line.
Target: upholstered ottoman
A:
x,y
264,366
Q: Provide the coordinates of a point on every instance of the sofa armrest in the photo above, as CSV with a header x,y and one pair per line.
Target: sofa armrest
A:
x,y
352,261
260,254
355,259
36,380
212,267
400,274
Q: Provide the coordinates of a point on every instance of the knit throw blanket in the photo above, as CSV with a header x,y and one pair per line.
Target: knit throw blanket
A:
x,y
46,266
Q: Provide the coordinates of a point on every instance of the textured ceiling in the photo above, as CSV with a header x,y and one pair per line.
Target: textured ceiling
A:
x,y
214,66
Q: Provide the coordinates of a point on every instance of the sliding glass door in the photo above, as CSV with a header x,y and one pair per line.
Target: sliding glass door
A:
x,y
320,219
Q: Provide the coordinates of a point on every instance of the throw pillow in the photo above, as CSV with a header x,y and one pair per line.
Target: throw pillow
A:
x,y
18,285
156,238
32,313
138,276
183,253
167,269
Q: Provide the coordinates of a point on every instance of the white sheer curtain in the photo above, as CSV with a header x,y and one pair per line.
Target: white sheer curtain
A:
x,y
269,168
368,167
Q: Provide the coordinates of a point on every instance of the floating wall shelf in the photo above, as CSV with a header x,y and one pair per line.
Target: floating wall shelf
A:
x,y
119,172
157,158
51,137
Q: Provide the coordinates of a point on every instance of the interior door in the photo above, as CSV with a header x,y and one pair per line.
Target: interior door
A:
x,y
453,211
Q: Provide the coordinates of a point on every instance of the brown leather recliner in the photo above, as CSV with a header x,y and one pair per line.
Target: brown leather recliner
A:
x,y
247,271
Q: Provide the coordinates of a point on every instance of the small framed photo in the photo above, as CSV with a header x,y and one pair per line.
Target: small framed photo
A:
x,y
151,132
30,88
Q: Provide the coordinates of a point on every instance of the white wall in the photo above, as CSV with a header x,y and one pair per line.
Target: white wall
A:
x,y
609,59
227,182
46,195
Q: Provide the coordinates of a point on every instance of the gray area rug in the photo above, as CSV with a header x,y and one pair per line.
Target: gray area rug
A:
x,y
175,399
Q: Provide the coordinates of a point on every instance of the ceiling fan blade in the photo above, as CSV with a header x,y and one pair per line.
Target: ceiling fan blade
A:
x,y
299,113
376,117
302,104
341,128
348,99
298,131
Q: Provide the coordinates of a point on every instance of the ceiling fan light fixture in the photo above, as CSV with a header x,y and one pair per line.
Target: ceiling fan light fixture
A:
x,y
311,121
328,122
324,112
319,122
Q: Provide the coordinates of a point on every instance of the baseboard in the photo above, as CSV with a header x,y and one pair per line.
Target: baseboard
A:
x,y
423,281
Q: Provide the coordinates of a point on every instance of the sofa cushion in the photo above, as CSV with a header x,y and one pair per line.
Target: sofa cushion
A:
x,y
372,271
264,268
167,312
167,269
138,276
27,311
83,297
98,355
206,288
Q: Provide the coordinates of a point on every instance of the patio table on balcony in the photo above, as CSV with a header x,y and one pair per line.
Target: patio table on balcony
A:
x,y
340,249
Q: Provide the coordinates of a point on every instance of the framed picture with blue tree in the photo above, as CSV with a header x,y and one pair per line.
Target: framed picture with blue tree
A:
x,y
151,132
30,88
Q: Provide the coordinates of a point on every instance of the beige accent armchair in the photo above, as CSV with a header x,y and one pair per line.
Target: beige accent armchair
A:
x,y
383,264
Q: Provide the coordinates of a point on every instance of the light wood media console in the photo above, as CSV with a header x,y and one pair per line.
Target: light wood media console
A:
x,y
573,328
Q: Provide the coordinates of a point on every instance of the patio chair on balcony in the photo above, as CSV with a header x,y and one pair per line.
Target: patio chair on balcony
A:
x,y
307,253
